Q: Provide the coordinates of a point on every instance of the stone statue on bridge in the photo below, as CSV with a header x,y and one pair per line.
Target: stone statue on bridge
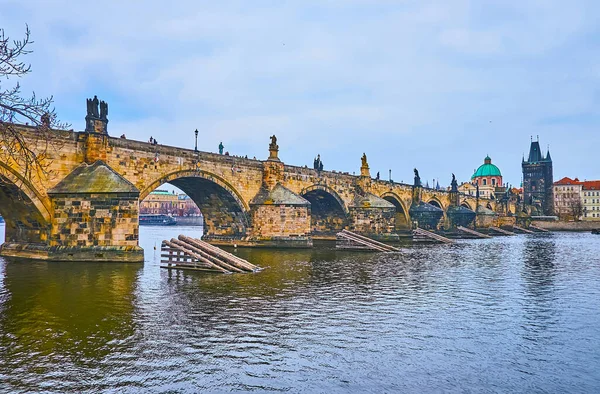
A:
x,y
364,160
96,120
417,178
103,110
221,147
318,164
90,107
273,145
273,149
95,103
454,184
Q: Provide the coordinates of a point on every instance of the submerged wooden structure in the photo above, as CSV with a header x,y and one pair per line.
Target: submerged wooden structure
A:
x,y
186,253
523,230
421,235
538,229
472,232
501,231
351,241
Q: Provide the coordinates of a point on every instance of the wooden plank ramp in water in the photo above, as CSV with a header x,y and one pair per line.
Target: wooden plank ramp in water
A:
x,y
348,240
523,230
193,254
501,231
420,234
539,229
472,232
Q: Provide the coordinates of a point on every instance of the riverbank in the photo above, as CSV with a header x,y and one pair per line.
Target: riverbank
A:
x,y
566,226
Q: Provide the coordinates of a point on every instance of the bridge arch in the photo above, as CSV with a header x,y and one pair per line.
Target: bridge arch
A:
x,y
436,203
402,215
329,214
24,209
468,204
226,214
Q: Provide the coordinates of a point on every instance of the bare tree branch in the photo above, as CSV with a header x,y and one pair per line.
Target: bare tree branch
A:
x,y
30,156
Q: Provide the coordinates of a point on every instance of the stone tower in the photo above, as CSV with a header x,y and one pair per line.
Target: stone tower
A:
x,y
537,179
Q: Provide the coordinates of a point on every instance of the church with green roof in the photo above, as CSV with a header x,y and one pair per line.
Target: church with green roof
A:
x,y
487,177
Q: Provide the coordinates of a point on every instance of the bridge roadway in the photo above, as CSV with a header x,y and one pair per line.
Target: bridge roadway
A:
x,y
82,201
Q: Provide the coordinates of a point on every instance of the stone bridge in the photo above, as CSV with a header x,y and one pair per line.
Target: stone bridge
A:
x,y
82,202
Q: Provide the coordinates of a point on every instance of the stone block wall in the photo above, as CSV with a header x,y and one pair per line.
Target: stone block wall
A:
x,y
280,221
372,220
328,225
507,221
95,220
96,147
483,221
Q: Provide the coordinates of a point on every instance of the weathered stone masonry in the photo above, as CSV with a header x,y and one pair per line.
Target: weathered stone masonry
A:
x,y
85,205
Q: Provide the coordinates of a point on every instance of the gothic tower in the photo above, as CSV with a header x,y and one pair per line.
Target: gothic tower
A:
x,y
537,179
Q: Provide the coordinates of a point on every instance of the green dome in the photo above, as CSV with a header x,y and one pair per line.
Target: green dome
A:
x,y
487,169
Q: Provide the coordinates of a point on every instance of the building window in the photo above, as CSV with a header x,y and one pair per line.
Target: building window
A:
x,y
484,182
493,181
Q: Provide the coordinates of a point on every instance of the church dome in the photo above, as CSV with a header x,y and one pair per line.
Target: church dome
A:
x,y
487,169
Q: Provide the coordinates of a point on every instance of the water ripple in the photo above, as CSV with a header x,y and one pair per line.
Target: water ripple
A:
x,y
508,314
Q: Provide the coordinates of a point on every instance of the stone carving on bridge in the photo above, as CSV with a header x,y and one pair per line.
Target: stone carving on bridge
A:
x,y
364,168
454,185
96,119
417,178
273,149
103,110
364,160
317,163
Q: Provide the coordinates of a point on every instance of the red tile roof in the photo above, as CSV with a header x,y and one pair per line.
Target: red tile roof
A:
x,y
591,185
568,181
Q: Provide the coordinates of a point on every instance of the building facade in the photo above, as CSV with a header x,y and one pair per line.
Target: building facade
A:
x,y
577,200
568,204
187,206
160,202
591,200
468,188
538,179
168,203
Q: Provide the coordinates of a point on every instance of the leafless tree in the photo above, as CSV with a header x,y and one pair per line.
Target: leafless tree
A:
x,y
575,208
16,109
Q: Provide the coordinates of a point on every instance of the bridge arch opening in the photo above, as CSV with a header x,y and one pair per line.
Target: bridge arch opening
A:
x,y
489,206
402,218
466,205
435,203
328,215
26,219
224,214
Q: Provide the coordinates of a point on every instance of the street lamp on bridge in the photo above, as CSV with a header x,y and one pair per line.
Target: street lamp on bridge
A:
x,y
196,146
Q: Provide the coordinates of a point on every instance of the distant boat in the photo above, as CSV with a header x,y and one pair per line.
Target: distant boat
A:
x,y
157,220
596,231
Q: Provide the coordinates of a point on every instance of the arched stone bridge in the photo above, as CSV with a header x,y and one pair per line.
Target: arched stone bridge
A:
x,y
83,202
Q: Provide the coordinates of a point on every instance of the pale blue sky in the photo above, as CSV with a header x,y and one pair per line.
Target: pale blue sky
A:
x,y
435,85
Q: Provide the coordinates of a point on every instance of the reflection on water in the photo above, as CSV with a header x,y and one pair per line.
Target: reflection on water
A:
x,y
504,314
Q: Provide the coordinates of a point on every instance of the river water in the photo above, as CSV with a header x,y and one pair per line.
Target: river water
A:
x,y
508,314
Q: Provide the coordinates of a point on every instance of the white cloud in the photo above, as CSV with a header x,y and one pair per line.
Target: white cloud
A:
x,y
434,84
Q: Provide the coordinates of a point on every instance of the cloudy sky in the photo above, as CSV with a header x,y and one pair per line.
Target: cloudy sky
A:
x,y
435,85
